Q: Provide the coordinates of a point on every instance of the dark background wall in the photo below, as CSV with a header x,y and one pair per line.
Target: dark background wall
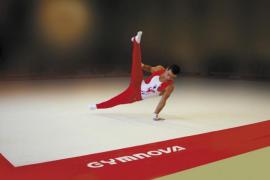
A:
x,y
64,37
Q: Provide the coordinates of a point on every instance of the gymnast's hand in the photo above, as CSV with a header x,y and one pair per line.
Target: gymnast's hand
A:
x,y
157,118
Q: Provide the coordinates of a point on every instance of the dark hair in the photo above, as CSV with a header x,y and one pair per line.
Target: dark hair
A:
x,y
175,69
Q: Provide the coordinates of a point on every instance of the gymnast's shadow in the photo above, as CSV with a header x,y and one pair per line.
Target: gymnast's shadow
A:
x,y
138,117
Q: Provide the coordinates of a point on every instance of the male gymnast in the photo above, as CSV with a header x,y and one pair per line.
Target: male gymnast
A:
x,y
159,83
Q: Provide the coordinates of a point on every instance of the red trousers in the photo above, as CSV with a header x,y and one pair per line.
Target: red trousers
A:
x,y
133,92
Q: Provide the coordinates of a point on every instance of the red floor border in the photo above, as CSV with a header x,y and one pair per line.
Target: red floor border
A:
x,y
158,159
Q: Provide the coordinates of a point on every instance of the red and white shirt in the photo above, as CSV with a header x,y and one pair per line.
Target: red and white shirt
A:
x,y
152,86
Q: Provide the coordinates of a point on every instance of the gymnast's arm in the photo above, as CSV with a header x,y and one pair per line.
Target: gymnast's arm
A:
x,y
151,69
164,98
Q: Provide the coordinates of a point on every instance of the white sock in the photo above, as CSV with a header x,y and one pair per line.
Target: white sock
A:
x,y
138,37
92,106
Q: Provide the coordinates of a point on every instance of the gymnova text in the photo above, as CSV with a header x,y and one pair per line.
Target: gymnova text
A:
x,y
135,157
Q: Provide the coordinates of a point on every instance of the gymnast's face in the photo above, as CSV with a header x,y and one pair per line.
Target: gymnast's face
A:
x,y
168,75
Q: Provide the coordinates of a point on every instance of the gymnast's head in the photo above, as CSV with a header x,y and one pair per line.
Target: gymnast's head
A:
x,y
172,71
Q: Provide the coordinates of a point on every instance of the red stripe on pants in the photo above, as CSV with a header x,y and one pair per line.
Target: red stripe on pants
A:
x,y
133,92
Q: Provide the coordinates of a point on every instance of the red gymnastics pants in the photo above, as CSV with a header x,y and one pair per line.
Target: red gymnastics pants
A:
x,y
133,92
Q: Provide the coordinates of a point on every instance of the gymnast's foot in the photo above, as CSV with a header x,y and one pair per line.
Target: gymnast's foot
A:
x,y
137,37
92,107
